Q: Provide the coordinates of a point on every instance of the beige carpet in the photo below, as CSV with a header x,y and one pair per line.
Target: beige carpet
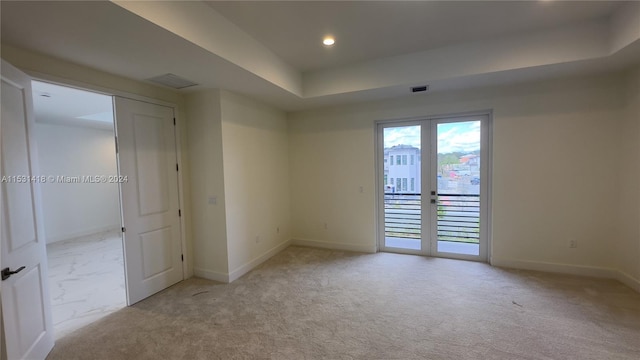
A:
x,y
320,304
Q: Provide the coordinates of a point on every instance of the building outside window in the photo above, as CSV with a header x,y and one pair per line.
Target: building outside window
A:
x,y
408,159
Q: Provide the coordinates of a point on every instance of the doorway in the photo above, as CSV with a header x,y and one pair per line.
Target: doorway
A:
x,y
74,131
152,231
434,184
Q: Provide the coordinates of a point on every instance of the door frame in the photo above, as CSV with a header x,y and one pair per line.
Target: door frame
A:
x,y
52,79
428,135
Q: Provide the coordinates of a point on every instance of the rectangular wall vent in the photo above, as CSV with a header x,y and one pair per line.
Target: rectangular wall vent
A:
x,y
173,81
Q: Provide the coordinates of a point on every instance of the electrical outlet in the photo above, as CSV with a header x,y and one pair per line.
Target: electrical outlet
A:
x,y
573,243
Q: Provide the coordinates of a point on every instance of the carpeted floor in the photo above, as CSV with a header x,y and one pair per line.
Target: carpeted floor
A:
x,y
320,304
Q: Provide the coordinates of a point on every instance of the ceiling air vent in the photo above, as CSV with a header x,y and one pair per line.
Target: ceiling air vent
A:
x,y
173,81
416,89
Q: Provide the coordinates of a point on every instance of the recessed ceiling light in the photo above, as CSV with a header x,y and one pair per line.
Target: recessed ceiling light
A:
x,y
329,40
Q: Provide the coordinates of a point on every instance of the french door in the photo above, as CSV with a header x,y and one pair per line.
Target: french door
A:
x,y
433,184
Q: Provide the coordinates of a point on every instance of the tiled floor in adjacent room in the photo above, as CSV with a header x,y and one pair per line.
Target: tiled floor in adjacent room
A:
x,y
86,280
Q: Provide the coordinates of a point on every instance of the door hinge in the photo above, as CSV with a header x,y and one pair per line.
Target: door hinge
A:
x,y
174,121
117,145
177,168
182,257
124,229
179,212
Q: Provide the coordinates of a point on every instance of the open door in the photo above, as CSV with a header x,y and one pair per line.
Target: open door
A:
x,y
26,311
147,165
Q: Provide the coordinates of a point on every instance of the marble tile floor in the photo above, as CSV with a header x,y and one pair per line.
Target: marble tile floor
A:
x,y
86,280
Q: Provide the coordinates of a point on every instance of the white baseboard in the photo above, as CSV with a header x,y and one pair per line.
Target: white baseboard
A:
x,y
555,267
211,275
628,280
335,246
593,271
77,234
237,273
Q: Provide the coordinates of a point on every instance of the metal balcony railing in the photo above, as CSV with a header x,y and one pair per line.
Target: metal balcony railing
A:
x,y
458,216
402,215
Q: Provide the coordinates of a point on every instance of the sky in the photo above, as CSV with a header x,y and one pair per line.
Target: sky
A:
x,y
452,137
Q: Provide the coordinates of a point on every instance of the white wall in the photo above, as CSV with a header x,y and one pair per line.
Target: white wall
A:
x,y
256,172
207,181
72,210
628,250
554,170
238,149
582,119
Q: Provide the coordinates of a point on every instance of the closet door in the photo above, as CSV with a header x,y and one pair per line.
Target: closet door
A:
x,y
147,163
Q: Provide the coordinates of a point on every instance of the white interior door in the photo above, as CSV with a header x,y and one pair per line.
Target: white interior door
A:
x,y
147,163
26,308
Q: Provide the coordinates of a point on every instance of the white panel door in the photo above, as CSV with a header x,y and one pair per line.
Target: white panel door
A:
x,y
150,206
26,308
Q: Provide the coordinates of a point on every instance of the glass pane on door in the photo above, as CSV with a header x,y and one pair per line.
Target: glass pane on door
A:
x,y
402,187
458,187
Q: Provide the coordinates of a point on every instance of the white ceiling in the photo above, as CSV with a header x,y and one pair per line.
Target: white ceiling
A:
x,y
367,30
272,50
53,104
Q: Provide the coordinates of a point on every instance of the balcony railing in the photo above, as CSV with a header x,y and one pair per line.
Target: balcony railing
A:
x,y
402,215
458,217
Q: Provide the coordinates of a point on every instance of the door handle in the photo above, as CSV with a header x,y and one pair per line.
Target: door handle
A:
x,y
6,272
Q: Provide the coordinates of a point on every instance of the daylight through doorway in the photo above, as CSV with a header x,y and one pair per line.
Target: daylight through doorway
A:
x,y
434,186
75,137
